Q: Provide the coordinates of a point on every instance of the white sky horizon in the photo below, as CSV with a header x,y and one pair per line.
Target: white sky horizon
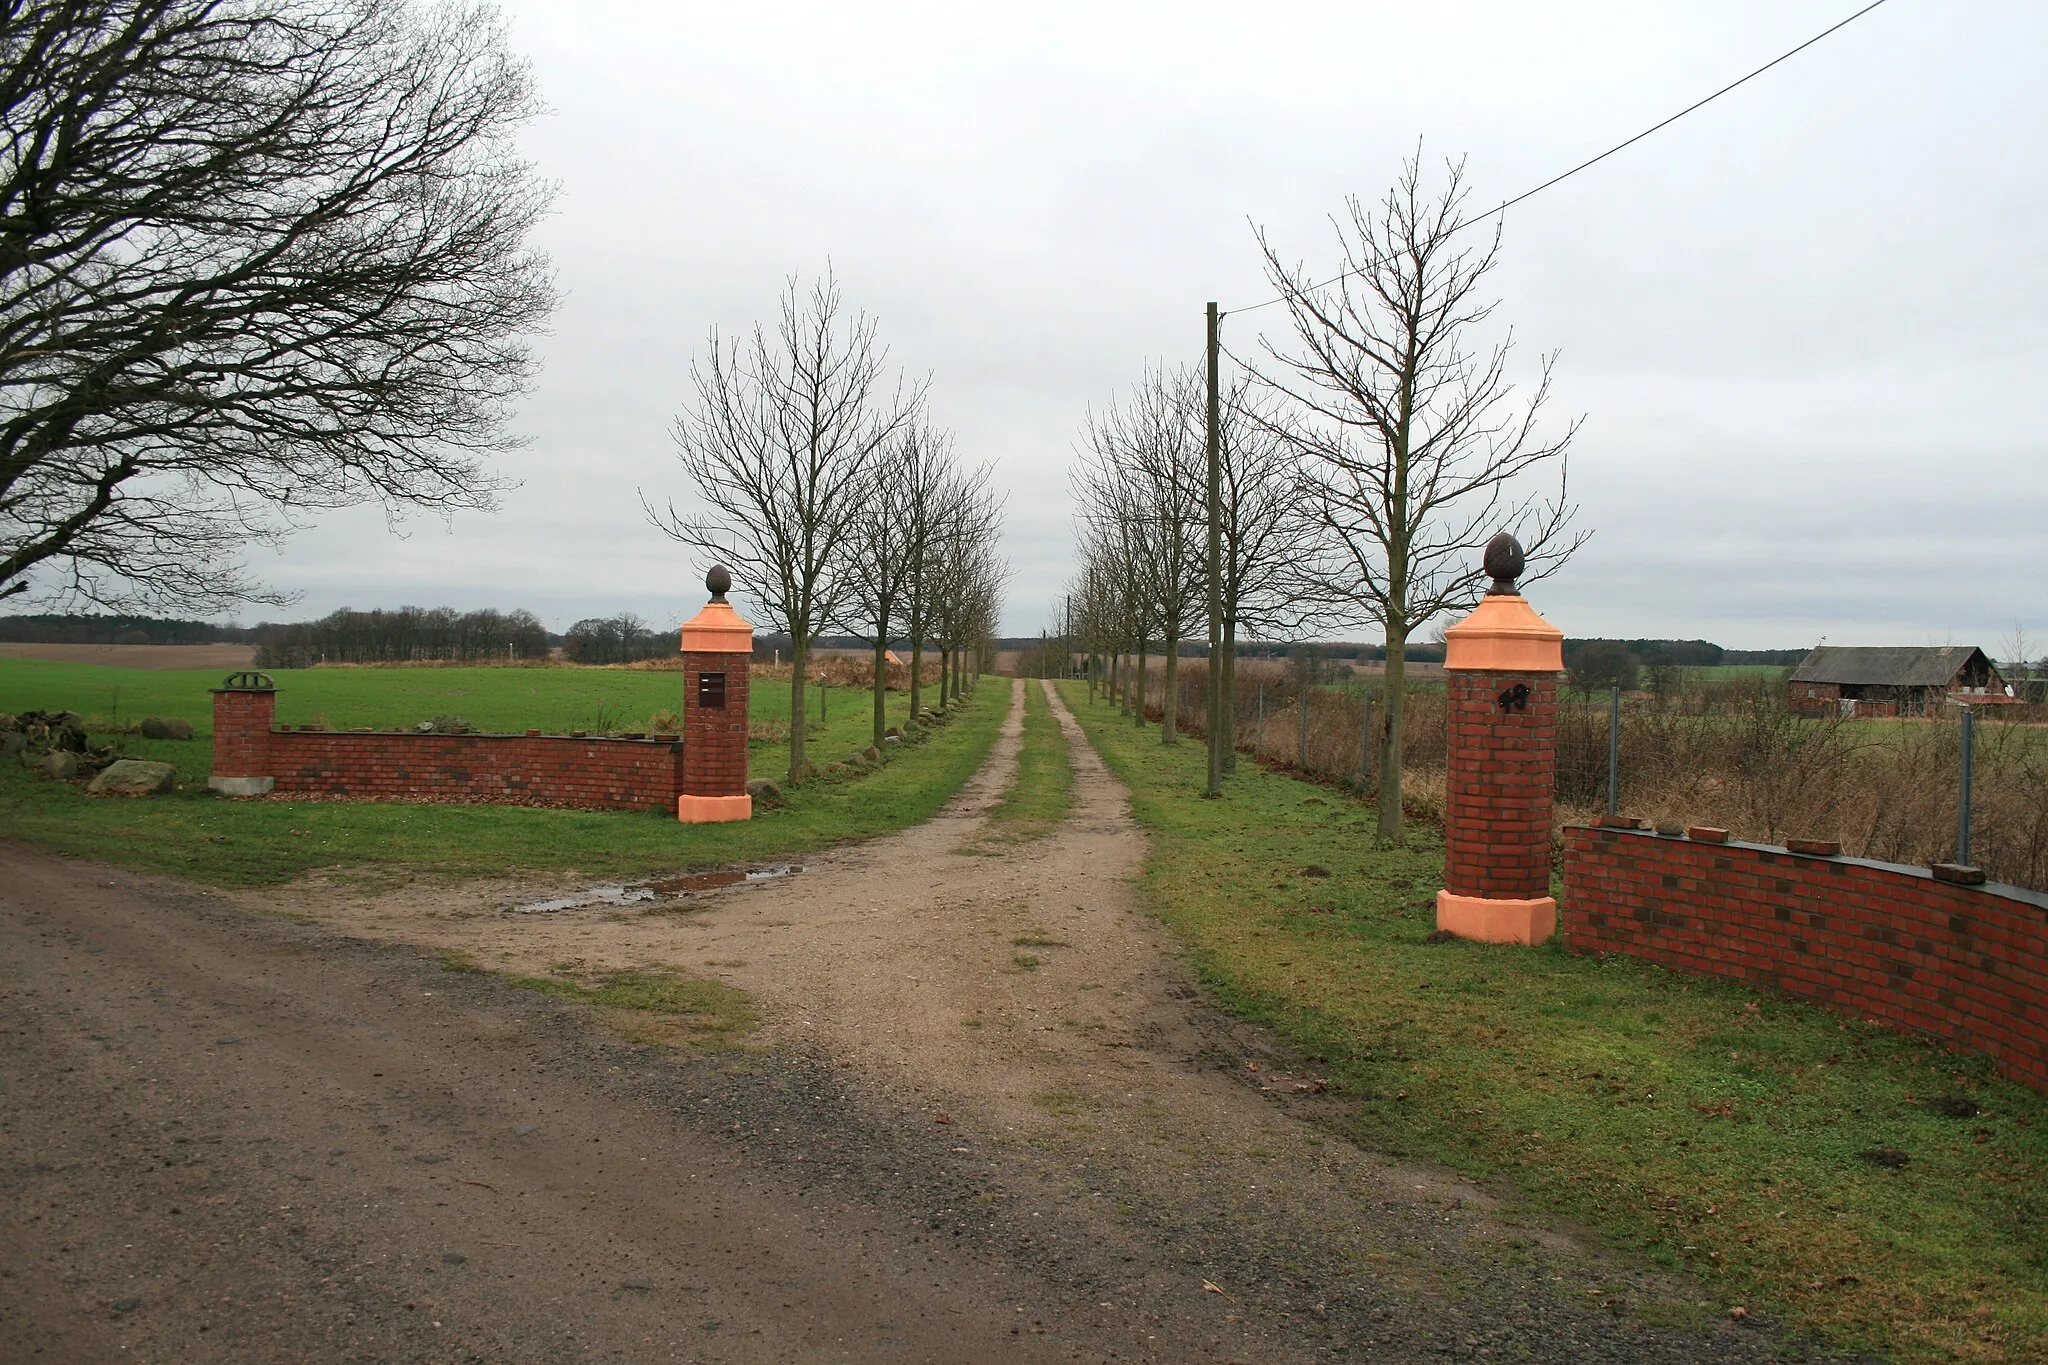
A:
x,y
1798,323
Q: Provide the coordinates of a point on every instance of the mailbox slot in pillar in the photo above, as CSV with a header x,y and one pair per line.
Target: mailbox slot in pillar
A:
x,y
1501,665
717,648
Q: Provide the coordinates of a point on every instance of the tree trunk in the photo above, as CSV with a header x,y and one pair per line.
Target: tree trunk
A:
x,y
1394,707
881,690
1169,698
799,651
1229,694
945,674
916,675
1138,700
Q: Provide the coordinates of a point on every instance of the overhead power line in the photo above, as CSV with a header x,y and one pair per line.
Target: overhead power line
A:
x,y
1505,205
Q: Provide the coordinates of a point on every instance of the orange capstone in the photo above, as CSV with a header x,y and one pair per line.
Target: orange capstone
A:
x,y
718,629
1504,635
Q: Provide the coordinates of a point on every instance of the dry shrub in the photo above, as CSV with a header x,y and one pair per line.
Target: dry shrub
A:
x,y
1732,755
1269,718
851,669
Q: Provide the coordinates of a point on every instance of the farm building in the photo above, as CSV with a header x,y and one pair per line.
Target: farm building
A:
x,y
1906,681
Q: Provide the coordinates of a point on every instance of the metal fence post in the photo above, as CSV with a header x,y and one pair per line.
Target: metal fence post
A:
x,y
1963,806
1614,749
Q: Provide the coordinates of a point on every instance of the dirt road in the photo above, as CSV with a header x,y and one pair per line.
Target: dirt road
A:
x,y
989,1120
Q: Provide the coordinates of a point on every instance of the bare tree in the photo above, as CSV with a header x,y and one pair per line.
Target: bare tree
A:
x,y
257,258
963,578
933,509
1267,534
1416,450
1112,555
780,450
1148,474
886,548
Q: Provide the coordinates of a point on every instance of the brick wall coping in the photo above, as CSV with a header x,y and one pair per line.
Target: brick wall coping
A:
x,y
362,732
2037,899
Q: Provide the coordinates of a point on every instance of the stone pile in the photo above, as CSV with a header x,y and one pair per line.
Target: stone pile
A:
x,y
54,745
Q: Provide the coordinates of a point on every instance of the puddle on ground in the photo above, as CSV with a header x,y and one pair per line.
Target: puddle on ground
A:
x,y
654,892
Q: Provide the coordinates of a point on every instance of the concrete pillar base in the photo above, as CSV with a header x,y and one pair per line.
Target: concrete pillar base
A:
x,y
242,786
1490,921
711,810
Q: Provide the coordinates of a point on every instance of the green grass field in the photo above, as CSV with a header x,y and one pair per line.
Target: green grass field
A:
x,y
555,700
1693,1123
195,834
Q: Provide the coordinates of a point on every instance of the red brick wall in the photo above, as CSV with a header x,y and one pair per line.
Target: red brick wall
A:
x,y
715,741
241,733
1503,767
1968,964
518,770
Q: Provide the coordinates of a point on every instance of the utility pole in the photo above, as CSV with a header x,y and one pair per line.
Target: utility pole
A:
x,y
1215,565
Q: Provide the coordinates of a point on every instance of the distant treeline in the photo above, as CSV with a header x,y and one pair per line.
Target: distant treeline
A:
x,y
407,635
621,639
117,630
1686,653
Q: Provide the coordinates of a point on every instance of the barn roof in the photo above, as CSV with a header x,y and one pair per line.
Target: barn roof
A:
x,y
1903,666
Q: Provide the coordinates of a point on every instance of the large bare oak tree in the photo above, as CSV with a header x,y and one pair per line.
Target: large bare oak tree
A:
x,y
258,258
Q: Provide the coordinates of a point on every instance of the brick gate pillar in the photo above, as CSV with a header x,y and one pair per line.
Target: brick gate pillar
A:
x,y
1501,663
244,709
717,648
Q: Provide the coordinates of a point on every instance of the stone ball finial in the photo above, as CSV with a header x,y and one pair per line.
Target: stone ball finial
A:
x,y
719,581
1505,561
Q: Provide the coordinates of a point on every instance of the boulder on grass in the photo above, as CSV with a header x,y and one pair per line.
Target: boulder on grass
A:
x,y
764,792
166,727
134,777
59,765
12,742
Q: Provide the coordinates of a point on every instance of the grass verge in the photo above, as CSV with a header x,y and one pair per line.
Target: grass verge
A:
x,y
1043,788
659,1006
194,834
1754,1142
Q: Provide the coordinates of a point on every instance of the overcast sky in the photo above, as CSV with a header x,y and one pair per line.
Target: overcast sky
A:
x,y
1806,326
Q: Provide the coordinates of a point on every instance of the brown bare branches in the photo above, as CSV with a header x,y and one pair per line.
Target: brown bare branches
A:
x,y
1415,449
257,259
